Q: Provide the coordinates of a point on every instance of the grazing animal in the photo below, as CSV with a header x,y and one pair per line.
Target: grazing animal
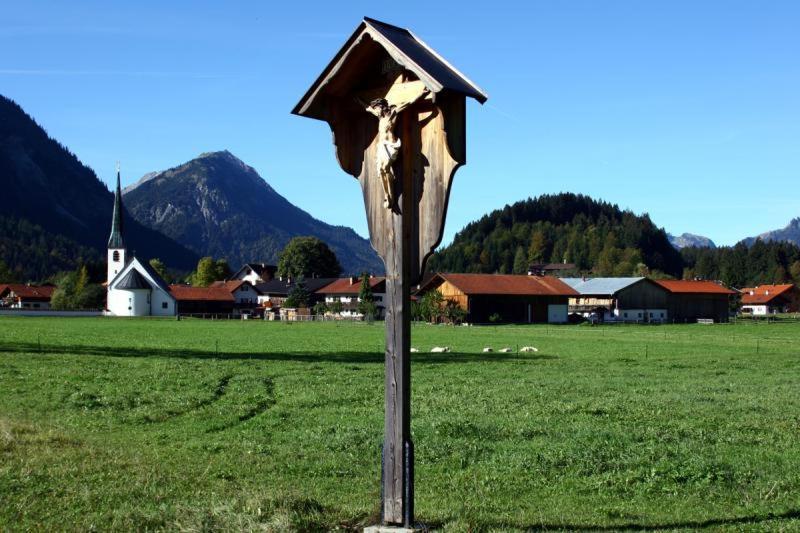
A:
x,y
440,349
487,349
526,349
414,350
505,350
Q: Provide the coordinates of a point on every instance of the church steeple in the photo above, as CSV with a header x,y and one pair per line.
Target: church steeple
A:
x,y
115,239
117,254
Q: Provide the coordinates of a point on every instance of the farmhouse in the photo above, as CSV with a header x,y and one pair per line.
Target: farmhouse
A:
x,y
625,299
245,294
346,290
255,273
202,300
511,298
272,293
771,299
21,296
690,300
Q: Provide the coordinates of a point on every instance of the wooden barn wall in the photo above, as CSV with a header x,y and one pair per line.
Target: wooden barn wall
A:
x,y
690,307
511,308
453,293
643,295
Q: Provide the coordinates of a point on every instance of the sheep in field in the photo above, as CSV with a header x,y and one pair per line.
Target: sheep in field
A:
x,y
440,349
414,350
528,349
487,349
506,350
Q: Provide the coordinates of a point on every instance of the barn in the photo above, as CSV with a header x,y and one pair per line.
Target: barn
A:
x,y
511,298
635,299
692,300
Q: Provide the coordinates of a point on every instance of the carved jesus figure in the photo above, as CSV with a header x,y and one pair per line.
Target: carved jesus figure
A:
x,y
388,143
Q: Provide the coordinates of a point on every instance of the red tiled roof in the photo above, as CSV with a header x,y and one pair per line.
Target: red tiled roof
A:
x,y
349,285
187,293
509,284
684,286
764,293
28,292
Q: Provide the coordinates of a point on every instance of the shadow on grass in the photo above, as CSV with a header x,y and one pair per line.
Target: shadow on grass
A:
x,y
300,357
630,526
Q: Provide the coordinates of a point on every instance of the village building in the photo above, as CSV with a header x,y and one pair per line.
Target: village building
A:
x,y
552,269
346,292
770,299
22,296
512,298
245,294
635,299
274,292
255,273
693,300
203,301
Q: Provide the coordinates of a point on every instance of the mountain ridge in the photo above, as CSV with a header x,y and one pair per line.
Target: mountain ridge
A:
x,y
216,204
60,200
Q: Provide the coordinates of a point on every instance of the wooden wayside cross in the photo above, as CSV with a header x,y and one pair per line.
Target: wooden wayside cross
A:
x,y
397,111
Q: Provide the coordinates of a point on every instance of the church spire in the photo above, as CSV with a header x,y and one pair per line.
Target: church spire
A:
x,y
115,239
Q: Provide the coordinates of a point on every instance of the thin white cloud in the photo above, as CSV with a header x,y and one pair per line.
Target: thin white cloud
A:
x,y
131,73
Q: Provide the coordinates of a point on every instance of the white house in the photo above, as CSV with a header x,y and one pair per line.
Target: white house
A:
x,y
345,291
255,273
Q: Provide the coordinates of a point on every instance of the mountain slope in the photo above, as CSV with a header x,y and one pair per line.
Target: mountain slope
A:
x,y
791,233
45,185
687,240
217,205
596,236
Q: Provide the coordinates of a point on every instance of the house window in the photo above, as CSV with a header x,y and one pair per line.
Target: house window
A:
x,y
625,315
164,305
640,315
662,315
116,256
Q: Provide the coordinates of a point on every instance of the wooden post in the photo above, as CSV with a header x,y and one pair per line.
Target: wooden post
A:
x,y
397,469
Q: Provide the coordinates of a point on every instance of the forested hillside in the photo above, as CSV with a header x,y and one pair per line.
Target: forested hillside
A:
x,y
597,236
55,208
740,265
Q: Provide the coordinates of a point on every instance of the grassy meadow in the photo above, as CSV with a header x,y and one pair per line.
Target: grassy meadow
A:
x,y
114,424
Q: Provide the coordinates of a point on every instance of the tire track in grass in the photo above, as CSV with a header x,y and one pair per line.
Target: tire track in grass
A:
x,y
263,402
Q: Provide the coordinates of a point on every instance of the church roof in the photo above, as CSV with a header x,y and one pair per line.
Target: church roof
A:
x,y
133,280
115,239
404,48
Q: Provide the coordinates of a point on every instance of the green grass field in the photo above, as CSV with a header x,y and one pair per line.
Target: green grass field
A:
x,y
114,424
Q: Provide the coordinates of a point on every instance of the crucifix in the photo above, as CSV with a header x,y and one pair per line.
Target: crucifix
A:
x,y
397,111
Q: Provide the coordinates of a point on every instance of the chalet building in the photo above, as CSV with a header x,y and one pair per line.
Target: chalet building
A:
x,y
770,299
691,300
272,293
635,299
552,269
255,273
346,291
514,298
21,296
245,294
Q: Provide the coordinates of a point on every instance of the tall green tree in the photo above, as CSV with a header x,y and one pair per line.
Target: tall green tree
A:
x,y
298,295
160,268
309,257
6,275
208,271
520,261
366,300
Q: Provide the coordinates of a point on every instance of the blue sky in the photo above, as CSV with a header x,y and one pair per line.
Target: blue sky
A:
x,y
689,111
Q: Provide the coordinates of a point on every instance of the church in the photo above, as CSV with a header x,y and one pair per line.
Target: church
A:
x,y
134,288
